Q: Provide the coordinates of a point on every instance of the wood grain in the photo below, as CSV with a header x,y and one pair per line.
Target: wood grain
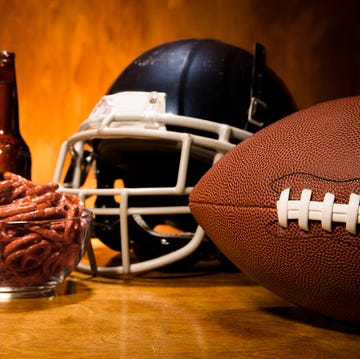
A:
x,y
203,313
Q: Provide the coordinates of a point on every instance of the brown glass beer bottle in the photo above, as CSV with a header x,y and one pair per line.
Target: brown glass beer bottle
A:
x,y
14,152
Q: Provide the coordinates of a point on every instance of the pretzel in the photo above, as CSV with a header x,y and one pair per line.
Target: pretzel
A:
x,y
65,259
6,189
37,214
28,258
12,210
19,243
32,252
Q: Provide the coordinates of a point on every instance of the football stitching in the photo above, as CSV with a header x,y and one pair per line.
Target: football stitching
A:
x,y
326,211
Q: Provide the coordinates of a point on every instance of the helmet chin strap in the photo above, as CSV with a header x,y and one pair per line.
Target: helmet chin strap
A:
x,y
257,108
139,220
145,266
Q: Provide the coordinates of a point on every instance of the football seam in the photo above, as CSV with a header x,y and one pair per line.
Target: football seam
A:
x,y
276,224
310,175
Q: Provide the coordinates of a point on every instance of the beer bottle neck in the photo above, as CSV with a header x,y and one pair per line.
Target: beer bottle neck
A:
x,y
9,112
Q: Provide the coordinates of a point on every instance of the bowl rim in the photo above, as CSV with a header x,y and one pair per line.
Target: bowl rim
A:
x,y
86,213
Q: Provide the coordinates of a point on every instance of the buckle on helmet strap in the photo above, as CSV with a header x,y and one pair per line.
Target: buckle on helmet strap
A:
x,y
257,107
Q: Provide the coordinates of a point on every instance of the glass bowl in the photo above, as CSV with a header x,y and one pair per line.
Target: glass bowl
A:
x,y
36,256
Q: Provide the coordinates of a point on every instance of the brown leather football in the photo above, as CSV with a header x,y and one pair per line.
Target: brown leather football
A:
x,y
283,205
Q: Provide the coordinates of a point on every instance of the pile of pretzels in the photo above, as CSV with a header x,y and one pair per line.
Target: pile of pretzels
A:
x,y
41,232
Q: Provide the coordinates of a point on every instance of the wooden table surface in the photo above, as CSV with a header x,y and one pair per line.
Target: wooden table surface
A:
x,y
202,314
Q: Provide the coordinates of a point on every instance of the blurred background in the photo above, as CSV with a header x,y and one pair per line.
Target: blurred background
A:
x,y
70,51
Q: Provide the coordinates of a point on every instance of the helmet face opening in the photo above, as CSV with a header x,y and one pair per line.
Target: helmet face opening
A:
x,y
168,117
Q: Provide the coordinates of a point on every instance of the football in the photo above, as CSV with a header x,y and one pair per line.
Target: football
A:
x,y
283,205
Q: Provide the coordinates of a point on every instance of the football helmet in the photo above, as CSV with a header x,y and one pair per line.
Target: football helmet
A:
x,y
167,118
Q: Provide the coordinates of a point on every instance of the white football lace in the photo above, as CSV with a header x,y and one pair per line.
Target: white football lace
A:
x,y
327,211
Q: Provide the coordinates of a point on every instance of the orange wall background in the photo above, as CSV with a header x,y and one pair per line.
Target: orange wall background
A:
x,y
70,51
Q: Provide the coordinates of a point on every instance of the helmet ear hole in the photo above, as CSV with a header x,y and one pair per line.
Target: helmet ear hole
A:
x,y
168,116
118,183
